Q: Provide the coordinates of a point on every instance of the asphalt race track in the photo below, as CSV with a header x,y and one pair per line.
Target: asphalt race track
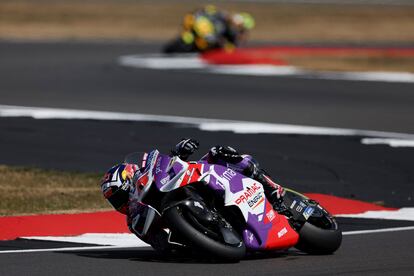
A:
x,y
86,76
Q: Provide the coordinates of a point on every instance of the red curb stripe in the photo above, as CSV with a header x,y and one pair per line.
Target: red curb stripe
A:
x,y
276,55
337,205
114,222
241,56
62,225
323,51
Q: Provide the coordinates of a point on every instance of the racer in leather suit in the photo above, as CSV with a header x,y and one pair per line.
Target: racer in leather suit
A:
x,y
208,28
229,157
117,182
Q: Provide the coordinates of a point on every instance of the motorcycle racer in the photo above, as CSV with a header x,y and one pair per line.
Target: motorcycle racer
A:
x,y
209,28
242,163
117,182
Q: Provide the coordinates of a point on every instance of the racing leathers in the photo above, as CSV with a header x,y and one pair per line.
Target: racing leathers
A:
x,y
208,28
229,157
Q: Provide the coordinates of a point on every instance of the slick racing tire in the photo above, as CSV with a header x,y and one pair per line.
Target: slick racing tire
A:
x,y
320,234
318,241
177,46
179,222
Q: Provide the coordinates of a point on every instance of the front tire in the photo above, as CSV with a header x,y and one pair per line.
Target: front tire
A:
x,y
178,222
177,46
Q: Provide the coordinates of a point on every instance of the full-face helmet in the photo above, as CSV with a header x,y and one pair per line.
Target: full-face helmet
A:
x,y
116,185
243,21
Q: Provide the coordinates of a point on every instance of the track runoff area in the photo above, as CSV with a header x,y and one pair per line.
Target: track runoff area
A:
x,y
271,62
357,216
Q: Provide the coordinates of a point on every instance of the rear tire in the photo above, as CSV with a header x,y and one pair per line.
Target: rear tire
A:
x,y
318,241
199,241
320,234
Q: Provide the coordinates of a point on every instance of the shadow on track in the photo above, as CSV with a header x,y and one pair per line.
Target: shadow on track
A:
x,y
149,255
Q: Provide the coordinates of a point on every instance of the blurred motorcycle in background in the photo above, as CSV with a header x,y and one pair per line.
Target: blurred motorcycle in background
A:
x,y
208,28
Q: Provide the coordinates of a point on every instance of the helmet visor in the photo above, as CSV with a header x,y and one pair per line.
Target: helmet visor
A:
x,y
119,198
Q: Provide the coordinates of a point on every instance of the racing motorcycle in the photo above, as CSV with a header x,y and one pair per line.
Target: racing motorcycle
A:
x,y
192,42
213,209
202,34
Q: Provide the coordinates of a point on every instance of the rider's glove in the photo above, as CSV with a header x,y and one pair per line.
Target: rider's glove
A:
x,y
225,153
185,148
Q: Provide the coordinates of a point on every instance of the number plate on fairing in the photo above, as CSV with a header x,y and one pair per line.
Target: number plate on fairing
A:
x,y
302,208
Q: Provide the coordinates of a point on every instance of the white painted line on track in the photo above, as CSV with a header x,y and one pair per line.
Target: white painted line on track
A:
x,y
406,214
143,245
156,61
192,62
384,230
272,70
255,70
395,143
403,77
63,249
240,127
115,239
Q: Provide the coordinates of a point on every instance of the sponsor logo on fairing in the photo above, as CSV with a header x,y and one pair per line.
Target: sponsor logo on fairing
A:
x,y
220,184
282,232
144,160
229,174
271,215
248,193
254,200
300,207
158,169
308,212
165,180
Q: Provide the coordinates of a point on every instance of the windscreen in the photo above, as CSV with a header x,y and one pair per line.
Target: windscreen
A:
x,y
138,158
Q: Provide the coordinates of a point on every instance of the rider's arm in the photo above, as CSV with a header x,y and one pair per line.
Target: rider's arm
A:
x,y
223,153
185,148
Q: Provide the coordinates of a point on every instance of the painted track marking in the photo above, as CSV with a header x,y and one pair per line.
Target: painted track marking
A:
x,y
201,123
385,230
65,249
194,62
62,249
240,127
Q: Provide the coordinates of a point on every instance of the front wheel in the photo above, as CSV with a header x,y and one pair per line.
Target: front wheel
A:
x,y
178,46
320,233
202,237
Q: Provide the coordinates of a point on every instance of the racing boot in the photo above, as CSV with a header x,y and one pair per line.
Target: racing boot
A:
x,y
273,191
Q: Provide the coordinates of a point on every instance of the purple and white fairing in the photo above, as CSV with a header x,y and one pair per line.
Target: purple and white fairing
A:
x,y
264,228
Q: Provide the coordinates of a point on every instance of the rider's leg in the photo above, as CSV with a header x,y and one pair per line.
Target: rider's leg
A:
x,y
274,192
246,165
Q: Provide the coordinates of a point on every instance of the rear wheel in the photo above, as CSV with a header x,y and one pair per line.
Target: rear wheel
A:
x,y
320,233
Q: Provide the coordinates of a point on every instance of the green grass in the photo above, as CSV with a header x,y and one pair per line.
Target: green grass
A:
x,y
33,191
